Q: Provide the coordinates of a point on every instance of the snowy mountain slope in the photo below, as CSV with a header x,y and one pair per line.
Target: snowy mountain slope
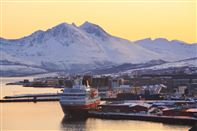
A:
x,y
183,63
7,59
170,50
19,70
186,64
11,66
126,67
79,48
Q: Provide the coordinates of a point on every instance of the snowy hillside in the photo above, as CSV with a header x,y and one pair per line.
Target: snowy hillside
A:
x,y
79,48
183,63
170,50
188,66
19,70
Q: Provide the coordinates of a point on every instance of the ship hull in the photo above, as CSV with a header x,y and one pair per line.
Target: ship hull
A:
x,y
79,110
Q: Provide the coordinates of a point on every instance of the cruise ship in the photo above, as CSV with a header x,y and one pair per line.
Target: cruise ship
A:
x,y
79,99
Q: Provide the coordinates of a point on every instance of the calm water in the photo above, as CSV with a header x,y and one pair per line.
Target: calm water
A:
x,y
49,116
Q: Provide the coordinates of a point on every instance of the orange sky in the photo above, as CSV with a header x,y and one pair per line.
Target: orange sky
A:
x,y
130,19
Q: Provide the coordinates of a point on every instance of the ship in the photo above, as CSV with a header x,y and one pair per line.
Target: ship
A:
x,y
78,100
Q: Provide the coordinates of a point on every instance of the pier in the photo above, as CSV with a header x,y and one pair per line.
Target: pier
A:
x,y
56,97
32,98
144,117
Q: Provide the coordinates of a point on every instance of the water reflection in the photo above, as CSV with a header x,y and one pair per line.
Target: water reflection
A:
x,y
73,124
89,124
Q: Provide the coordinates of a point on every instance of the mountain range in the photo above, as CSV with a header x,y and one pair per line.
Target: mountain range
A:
x,y
71,48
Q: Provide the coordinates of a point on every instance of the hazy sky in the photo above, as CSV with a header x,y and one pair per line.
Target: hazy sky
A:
x,y
130,19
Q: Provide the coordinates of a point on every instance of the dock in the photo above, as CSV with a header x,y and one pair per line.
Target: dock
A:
x,y
35,98
38,98
145,117
32,98
56,97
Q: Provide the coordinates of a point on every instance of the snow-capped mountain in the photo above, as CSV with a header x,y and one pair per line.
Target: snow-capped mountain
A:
x,y
78,48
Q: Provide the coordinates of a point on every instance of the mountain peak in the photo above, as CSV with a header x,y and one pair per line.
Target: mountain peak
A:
x,y
146,40
38,32
163,40
94,29
74,24
61,26
87,23
63,29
